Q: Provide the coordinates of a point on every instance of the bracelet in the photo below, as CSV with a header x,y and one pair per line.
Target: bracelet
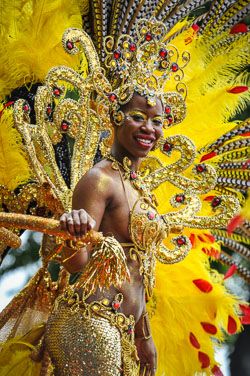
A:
x,y
145,325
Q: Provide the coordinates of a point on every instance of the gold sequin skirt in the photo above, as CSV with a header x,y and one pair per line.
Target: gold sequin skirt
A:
x,y
90,339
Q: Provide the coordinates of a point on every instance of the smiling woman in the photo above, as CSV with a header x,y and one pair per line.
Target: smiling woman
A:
x,y
107,197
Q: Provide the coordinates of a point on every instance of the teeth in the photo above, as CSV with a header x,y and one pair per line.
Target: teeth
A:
x,y
145,141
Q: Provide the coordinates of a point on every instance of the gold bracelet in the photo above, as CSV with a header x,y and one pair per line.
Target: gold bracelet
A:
x,y
145,325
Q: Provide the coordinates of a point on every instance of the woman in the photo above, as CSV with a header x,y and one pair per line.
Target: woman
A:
x,y
102,201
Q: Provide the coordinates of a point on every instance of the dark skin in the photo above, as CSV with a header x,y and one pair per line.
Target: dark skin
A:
x,y
100,203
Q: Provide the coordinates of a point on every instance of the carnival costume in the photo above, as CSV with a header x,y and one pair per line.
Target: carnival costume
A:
x,y
196,65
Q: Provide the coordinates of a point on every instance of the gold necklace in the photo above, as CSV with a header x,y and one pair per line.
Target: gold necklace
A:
x,y
133,176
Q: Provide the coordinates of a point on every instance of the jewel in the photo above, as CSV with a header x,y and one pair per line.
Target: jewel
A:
x,y
117,54
181,241
167,109
170,119
164,64
95,307
69,45
133,47
203,285
49,109
204,359
150,216
112,97
64,126
209,328
163,52
26,107
56,91
130,329
200,168
133,175
116,304
167,146
105,302
40,211
215,202
174,67
193,340
180,198
231,325
148,36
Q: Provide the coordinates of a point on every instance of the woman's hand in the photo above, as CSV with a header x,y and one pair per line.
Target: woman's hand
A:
x,y
77,223
148,356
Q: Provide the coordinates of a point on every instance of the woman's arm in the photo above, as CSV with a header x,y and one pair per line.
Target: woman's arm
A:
x,y
145,346
90,198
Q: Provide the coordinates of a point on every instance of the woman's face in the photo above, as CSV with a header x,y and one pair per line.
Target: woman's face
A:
x,y
141,129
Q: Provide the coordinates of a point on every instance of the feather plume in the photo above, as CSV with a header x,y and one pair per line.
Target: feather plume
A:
x,y
14,168
31,34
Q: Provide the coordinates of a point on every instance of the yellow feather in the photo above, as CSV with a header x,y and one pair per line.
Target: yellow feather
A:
x,y
14,168
31,34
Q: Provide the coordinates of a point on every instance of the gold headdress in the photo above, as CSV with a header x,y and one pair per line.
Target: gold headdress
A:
x,y
144,64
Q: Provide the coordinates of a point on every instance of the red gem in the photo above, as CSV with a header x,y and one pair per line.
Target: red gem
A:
x,y
148,37
40,211
130,330
163,53
180,198
116,304
133,47
48,110
231,325
181,240
150,216
215,202
112,97
216,371
133,175
209,328
194,341
64,126
26,108
200,168
204,359
117,54
167,146
56,91
203,285
174,67
170,119
69,45
168,110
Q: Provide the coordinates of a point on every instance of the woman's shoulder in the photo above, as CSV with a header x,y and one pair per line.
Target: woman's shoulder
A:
x,y
98,178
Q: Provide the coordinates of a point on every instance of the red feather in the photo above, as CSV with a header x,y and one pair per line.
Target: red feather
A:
x,y
208,156
231,325
194,341
238,89
203,285
235,222
192,239
216,371
246,318
204,359
210,237
230,271
208,198
209,328
240,28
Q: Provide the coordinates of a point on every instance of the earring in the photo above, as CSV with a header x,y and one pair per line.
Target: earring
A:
x,y
118,117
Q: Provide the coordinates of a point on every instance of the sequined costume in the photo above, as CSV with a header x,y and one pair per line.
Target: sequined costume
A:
x,y
92,339
198,60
